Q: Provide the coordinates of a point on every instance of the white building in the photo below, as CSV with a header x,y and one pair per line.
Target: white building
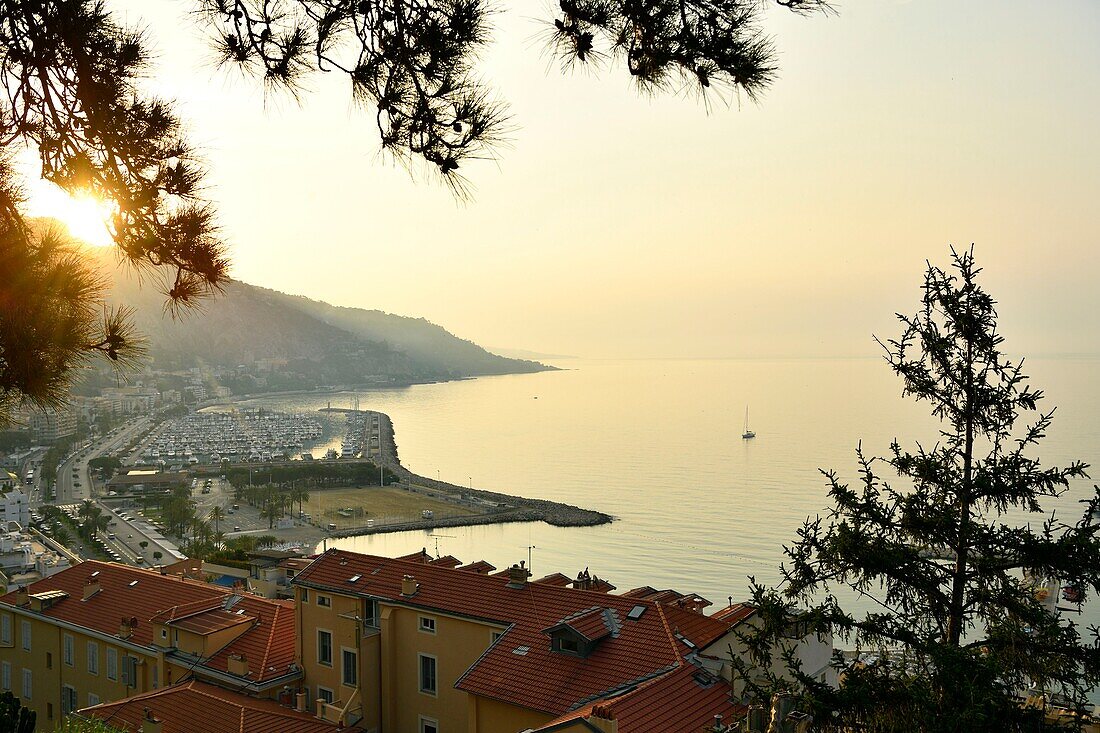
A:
x,y
15,506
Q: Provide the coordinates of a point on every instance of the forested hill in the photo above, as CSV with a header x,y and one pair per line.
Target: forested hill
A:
x,y
323,344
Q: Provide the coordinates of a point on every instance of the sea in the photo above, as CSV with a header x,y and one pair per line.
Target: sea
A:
x,y
658,444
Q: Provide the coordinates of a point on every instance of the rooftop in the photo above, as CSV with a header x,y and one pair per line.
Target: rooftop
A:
x,y
197,707
520,668
146,596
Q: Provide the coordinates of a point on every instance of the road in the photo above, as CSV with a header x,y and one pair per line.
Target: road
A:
x,y
125,532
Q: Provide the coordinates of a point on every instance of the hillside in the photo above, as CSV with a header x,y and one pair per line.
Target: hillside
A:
x,y
323,344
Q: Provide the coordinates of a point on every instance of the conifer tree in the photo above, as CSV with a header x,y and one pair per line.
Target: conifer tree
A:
x,y
948,546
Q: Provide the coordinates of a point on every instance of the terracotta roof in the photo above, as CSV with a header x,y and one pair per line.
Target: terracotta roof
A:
x,y
591,623
447,561
684,700
197,707
420,556
735,613
269,646
208,622
557,579
150,597
521,668
480,566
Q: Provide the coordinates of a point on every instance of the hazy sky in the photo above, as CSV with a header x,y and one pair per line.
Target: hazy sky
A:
x,y
620,225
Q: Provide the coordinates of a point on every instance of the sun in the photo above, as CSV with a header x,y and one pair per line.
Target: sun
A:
x,y
85,216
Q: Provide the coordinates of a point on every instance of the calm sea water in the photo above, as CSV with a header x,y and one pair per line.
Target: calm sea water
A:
x,y
658,445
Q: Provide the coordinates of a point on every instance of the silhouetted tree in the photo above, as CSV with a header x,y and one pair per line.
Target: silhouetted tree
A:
x,y
957,560
70,73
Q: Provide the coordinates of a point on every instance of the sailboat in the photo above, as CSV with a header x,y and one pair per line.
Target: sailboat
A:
x,y
748,434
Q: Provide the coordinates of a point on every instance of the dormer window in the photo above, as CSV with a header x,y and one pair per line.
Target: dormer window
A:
x,y
565,644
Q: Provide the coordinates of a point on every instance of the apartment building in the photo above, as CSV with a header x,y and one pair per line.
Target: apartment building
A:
x,y
429,646
100,632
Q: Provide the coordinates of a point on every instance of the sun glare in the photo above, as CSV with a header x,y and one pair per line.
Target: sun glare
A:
x,y
86,217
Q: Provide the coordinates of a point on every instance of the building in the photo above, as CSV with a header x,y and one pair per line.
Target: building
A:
x,y
46,425
27,556
140,481
431,646
100,632
15,506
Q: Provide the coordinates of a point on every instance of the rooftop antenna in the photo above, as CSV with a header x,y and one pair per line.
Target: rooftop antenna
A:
x,y
529,563
436,537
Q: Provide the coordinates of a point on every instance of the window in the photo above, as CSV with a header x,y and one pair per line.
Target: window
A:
x,y
156,677
68,699
427,674
93,658
305,595
27,679
370,612
565,644
67,651
350,661
427,624
494,635
427,725
129,671
93,699
25,634
324,647
5,629
323,693
112,663
324,601
5,675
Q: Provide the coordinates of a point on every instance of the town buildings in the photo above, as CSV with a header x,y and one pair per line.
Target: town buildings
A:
x,y
373,644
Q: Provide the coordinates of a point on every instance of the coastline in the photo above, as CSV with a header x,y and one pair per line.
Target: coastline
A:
x,y
498,508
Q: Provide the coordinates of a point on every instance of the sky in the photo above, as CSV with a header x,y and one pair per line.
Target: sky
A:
x,y
617,225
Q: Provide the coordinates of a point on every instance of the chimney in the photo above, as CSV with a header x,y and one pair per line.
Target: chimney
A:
x,y
518,575
409,586
238,665
300,702
91,587
758,719
603,720
799,722
22,598
151,723
782,706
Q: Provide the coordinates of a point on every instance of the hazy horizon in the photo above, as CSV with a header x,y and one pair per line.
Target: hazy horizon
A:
x,y
796,226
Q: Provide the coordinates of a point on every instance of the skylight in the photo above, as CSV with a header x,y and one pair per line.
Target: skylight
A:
x,y
133,583
354,578
636,613
521,650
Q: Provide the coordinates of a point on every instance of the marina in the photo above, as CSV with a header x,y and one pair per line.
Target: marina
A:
x,y
255,435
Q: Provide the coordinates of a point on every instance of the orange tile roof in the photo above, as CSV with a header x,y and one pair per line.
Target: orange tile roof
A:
x,y
447,561
734,613
208,622
150,597
684,700
558,579
197,707
592,624
521,668
479,567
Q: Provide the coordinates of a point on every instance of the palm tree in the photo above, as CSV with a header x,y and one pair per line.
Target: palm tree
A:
x,y
299,494
266,540
216,515
270,512
158,555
